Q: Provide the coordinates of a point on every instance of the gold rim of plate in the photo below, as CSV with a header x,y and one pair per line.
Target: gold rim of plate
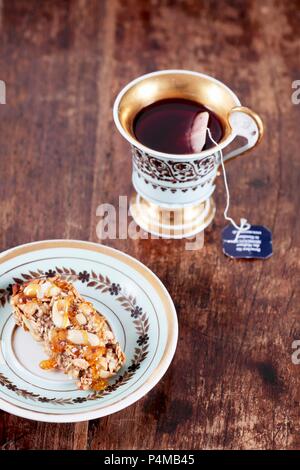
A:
x,y
166,357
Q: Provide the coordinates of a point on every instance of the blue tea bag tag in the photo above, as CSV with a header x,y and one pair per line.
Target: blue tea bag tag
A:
x,y
256,242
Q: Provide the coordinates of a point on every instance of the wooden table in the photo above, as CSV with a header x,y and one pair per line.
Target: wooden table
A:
x,y
232,383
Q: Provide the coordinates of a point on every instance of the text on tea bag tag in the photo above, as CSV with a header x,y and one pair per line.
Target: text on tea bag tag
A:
x,y
256,241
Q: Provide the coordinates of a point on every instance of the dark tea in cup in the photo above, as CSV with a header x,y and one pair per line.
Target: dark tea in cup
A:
x,y
177,122
177,126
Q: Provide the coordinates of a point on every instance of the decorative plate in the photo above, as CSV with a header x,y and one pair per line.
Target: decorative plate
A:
x,y
136,305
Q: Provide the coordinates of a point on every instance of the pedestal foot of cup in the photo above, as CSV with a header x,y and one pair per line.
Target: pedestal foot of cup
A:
x,y
163,222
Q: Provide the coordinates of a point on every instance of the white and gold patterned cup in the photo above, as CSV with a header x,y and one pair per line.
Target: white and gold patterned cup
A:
x,y
174,192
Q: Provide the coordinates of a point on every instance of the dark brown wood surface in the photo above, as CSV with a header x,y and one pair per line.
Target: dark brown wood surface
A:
x,y
232,383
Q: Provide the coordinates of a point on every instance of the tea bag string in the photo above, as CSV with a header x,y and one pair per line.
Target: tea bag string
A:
x,y
244,224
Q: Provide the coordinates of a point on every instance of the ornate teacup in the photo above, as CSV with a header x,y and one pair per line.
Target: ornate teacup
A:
x,y
174,192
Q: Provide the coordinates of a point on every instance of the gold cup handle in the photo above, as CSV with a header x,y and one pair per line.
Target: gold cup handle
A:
x,y
245,123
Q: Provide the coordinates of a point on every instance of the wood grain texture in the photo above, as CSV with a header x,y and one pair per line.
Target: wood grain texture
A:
x,y
232,383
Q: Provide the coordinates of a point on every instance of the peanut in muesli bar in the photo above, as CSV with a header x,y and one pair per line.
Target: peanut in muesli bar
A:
x,y
76,337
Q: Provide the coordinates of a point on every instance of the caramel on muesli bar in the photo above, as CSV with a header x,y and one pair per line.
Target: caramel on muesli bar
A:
x,y
77,338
